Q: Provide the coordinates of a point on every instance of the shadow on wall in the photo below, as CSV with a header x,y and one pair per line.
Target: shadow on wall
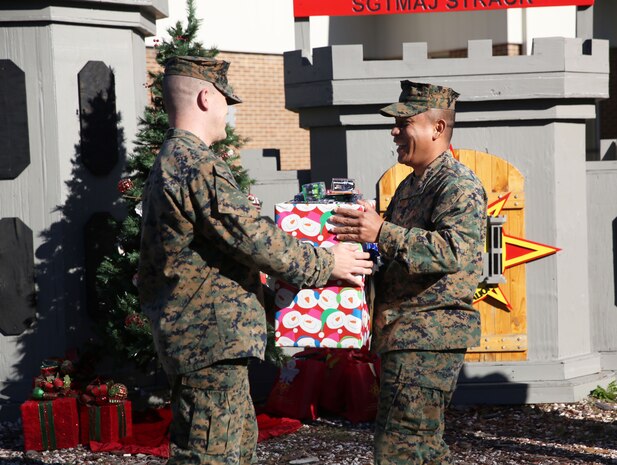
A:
x,y
62,323
610,153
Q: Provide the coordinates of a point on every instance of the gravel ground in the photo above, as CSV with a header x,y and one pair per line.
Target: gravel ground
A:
x,y
579,433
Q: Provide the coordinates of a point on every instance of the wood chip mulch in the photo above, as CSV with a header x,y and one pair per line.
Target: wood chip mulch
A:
x,y
579,433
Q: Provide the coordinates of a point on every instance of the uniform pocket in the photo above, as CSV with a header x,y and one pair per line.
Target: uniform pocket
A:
x,y
219,425
230,200
210,422
415,409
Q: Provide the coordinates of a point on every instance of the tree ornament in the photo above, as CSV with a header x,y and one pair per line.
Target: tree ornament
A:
x,y
117,393
135,320
125,185
37,393
226,154
255,201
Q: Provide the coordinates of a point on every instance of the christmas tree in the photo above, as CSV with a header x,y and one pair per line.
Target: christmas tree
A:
x,y
123,330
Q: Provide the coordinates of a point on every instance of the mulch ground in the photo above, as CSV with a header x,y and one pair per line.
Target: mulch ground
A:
x,y
578,433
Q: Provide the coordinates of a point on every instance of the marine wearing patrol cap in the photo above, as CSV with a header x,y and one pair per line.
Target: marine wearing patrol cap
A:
x,y
418,97
206,69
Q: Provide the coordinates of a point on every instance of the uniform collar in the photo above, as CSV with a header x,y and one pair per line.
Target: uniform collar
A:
x,y
175,133
431,170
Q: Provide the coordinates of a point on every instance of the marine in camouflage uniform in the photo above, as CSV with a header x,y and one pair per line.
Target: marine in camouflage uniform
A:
x,y
432,241
203,244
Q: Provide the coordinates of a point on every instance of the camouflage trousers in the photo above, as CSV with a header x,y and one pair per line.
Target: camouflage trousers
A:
x,y
416,387
213,417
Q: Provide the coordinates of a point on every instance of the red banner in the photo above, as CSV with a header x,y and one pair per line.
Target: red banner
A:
x,y
306,8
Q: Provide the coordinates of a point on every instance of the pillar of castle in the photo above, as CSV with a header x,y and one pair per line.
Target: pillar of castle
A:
x,y
72,77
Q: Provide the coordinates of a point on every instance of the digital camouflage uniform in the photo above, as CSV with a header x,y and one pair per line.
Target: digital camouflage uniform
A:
x,y
432,242
203,244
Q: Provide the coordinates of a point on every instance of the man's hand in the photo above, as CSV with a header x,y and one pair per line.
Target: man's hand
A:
x,y
355,225
350,263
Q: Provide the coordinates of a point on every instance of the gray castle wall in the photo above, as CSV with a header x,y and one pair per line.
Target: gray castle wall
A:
x,y
602,247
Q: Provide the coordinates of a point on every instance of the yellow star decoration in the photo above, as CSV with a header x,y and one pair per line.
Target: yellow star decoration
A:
x,y
516,251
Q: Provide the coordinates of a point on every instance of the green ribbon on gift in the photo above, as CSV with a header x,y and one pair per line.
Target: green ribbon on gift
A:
x,y
46,420
121,420
94,417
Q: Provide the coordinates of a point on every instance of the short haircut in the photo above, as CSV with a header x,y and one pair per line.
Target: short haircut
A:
x,y
180,91
449,116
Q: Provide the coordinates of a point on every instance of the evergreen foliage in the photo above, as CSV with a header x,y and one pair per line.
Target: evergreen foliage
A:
x,y
123,330
609,394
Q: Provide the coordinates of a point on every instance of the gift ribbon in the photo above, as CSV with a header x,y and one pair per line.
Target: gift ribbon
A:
x,y
95,423
46,420
121,420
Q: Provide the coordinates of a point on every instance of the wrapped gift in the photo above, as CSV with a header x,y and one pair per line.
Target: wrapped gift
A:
x,y
49,425
336,315
296,391
106,423
351,384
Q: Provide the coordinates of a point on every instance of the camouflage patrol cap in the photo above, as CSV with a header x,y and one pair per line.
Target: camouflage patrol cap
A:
x,y
418,97
206,69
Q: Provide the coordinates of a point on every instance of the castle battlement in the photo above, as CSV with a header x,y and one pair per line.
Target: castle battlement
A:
x,y
558,68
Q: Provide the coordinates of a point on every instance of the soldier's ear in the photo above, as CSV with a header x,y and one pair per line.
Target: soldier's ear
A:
x,y
203,99
439,127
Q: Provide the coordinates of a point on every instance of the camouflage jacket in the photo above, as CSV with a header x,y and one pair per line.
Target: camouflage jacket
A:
x,y
202,246
432,242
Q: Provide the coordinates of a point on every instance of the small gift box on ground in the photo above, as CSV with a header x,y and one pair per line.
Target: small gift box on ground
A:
x,y
106,423
51,424
332,316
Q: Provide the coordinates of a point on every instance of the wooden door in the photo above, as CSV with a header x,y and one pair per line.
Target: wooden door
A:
x,y
504,327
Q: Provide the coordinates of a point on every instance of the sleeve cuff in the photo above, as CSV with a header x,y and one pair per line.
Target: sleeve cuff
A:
x,y
389,239
325,266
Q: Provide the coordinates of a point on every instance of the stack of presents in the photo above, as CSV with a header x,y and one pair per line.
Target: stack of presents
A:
x,y
335,373
59,416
